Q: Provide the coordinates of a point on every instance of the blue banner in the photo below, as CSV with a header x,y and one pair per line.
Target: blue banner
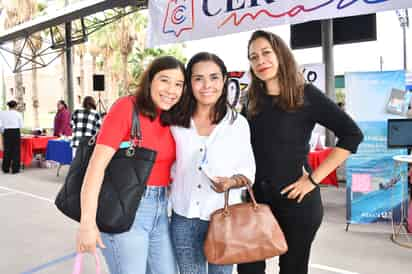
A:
x,y
376,187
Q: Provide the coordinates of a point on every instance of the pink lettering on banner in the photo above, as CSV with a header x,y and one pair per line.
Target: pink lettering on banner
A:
x,y
179,17
361,183
291,12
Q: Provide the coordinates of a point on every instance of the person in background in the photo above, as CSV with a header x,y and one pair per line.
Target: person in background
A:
x,y
282,112
62,120
213,154
146,247
11,122
85,121
1,136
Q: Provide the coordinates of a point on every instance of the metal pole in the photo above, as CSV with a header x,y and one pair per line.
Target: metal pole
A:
x,y
405,62
403,18
327,56
69,66
381,62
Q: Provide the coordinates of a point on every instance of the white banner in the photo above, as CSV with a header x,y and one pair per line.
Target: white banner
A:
x,y
315,74
173,21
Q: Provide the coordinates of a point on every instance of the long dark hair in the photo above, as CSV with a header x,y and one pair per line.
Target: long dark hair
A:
x,y
89,103
290,80
144,102
187,108
62,102
12,104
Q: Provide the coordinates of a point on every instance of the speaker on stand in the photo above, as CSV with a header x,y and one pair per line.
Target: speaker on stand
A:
x,y
98,86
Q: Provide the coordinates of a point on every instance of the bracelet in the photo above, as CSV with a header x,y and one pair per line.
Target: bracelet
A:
x,y
311,180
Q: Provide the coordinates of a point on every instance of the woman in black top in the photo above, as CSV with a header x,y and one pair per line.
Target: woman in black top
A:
x,y
283,110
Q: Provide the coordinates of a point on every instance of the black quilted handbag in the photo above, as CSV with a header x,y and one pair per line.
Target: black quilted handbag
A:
x,y
123,184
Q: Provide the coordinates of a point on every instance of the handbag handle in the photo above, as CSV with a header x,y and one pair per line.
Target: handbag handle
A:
x,y
252,197
77,269
136,132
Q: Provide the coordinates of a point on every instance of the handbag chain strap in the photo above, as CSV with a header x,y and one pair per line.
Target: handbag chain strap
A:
x,y
252,197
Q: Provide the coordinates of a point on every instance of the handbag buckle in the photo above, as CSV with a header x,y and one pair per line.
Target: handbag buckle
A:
x,y
92,140
130,151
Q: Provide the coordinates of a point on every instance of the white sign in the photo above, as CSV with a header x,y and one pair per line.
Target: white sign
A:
x,y
315,74
173,21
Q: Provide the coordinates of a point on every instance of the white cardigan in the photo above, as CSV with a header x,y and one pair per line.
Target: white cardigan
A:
x,y
227,151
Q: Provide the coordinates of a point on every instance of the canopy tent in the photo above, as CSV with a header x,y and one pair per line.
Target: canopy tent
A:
x,y
62,38
79,11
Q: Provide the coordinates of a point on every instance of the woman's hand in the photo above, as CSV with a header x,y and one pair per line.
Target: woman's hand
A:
x,y
299,189
221,184
88,236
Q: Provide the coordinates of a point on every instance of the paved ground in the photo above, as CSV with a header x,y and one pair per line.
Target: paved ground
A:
x,y
36,238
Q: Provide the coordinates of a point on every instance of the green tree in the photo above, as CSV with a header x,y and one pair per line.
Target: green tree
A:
x,y
340,95
142,57
125,55
17,12
35,47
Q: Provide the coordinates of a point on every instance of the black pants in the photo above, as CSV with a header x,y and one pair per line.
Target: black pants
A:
x,y
11,154
299,223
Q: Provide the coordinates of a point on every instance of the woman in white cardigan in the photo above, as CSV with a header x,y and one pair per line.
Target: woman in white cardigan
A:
x,y
213,154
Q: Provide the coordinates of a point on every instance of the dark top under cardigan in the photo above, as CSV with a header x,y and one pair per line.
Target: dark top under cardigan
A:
x,y
280,139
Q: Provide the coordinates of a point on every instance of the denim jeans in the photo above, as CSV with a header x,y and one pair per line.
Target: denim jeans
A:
x,y
146,248
188,236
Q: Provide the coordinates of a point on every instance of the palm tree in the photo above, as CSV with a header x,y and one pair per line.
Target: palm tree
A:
x,y
81,52
126,37
105,42
141,57
17,12
94,51
37,42
36,46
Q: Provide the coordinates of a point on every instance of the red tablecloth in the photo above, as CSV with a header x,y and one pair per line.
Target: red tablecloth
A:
x,y
315,159
31,145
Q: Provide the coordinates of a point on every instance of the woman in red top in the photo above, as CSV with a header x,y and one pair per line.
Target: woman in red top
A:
x,y
62,120
146,247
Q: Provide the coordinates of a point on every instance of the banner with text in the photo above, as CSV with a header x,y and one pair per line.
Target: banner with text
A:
x,y
375,190
173,21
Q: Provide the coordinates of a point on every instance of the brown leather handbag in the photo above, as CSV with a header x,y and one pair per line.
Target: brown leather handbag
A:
x,y
243,233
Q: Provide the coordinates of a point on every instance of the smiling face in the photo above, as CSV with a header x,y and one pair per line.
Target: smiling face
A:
x,y
263,59
207,82
166,88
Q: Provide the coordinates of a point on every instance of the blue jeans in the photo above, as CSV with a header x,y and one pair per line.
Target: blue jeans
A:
x,y
146,248
188,236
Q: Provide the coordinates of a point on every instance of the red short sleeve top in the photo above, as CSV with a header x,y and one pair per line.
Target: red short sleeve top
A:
x,y
116,129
